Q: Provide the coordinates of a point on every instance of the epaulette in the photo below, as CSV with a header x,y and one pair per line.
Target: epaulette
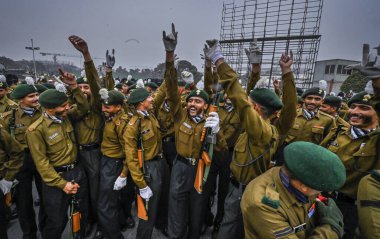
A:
x,y
5,114
324,114
271,197
36,123
133,120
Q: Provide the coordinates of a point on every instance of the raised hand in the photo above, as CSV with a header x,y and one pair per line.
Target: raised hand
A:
x,y
254,53
286,62
68,79
79,44
170,41
110,59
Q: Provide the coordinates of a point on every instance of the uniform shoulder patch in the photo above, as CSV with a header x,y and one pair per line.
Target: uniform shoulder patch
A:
x,y
283,232
5,114
36,123
133,120
271,197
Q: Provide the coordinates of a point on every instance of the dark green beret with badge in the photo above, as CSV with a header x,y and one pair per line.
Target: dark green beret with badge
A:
x,y
360,98
52,98
138,95
112,97
82,80
152,85
23,90
333,101
198,93
266,98
314,91
315,166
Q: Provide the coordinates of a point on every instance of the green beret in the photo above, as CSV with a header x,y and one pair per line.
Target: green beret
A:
x,y
266,98
119,86
48,85
138,95
114,98
130,83
152,85
198,93
23,90
315,166
313,91
52,98
333,101
41,88
299,100
82,80
360,98
299,91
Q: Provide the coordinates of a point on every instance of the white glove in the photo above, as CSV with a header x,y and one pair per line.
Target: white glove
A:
x,y
110,59
120,183
213,51
146,193
212,122
6,186
187,77
170,41
140,83
254,53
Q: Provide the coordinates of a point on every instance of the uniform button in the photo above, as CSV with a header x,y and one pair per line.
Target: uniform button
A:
x,y
195,134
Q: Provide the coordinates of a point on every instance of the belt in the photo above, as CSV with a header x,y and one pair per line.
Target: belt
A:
x,y
236,183
343,198
66,168
88,147
188,161
168,139
155,158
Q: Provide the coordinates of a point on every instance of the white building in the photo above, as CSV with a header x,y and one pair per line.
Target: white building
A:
x,y
333,72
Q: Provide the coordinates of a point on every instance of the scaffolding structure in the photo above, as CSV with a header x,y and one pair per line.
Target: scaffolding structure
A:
x,y
278,26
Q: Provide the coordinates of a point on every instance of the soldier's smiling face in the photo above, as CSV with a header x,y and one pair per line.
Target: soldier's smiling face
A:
x,y
196,106
147,104
30,100
362,116
110,110
60,111
312,102
328,109
85,88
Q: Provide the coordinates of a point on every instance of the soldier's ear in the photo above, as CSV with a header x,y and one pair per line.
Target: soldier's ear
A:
x,y
205,107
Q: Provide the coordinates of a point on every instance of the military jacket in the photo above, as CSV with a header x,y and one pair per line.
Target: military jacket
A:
x,y
21,122
89,129
313,130
271,211
113,144
166,121
6,104
11,155
357,155
53,144
231,126
256,146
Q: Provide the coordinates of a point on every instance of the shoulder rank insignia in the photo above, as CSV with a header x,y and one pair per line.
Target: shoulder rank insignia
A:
x,y
271,197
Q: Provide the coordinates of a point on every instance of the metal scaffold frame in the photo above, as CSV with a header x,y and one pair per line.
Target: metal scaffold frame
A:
x,y
278,26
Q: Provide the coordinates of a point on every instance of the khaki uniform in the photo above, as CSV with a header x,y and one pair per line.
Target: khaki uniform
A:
x,y
255,147
21,121
6,104
358,156
271,211
340,121
313,130
369,207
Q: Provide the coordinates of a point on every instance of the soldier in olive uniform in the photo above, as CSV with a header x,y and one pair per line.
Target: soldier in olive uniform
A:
x,y
150,179
357,147
113,175
255,147
331,105
185,204
88,130
5,103
53,147
17,122
11,162
281,203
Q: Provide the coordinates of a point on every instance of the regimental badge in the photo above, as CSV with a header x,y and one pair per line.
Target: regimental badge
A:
x,y
320,91
84,79
366,98
198,92
1,84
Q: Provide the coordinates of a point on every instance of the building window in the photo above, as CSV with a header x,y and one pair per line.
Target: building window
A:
x,y
329,69
332,69
340,69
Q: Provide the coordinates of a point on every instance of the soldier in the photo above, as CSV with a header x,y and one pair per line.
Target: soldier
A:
x,y
151,87
331,105
113,175
88,130
17,122
53,147
185,204
356,145
143,133
5,103
11,162
255,147
282,202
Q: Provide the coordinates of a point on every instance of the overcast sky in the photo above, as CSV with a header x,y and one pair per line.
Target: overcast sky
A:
x,y
345,26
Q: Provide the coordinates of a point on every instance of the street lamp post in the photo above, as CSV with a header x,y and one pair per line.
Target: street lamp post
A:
x,y
34,60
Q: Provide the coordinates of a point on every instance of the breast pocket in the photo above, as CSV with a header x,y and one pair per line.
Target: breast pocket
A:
x,y
56,142
20,134
185,137
148,138
317,133
292,134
